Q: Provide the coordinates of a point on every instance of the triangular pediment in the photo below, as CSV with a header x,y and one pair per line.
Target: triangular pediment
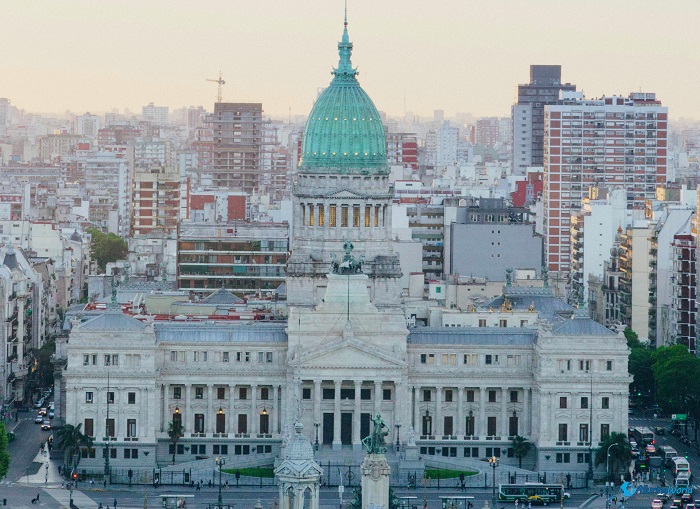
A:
x,y
345,193
350,353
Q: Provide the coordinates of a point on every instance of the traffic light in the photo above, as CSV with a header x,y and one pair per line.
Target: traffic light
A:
x,y
74,475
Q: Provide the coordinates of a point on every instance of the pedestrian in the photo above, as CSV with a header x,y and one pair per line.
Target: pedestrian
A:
x,y
37,496
59,469
100,506
198,486
226,483
115,502
104,483
529,504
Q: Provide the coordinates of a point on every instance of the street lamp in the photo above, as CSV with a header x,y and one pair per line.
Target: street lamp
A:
x,y
220,462
607,477
493,461
590,430
317,424
398,431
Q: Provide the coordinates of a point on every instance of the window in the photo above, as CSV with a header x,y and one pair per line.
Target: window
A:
x,y
513,426
584,365
306,393
584,402
491,426
173,356
343,215
219,449
426,394
321,214
470,425
177,392
110,397
224,357
89,427
564,457
563,432
470,396
449,359
427,358
221,393
583,432
131,454
582,457
448,398
247,356
331,219
311,215
513,396
491,359
242,393
482,322
608,365
492,396
220,423
563,402
87,453
356,216
328,393
199,356
264,393
199,423
604,432
365,394
268,357
471,452
199,393
88,397
86,359
131,427
471,359
605,402
386,394
503,322
261,357
368,215
514,360
109,427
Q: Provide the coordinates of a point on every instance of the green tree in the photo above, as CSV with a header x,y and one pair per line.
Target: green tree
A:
x,y
639,366
44,367
70,439
175,432
677,376
4,453
106,247
632,338
619,455
521,448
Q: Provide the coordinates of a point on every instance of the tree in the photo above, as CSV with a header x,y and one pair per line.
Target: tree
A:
x,y
175,432
677,375
521,448
632,339
107,247
640,365
4,453
71,440
619,455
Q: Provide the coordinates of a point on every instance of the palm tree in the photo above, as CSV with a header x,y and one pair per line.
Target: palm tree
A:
x,y
175,431
521,447
71,440
619,455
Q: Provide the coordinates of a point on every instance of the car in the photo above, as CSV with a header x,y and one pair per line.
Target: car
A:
x,y
38,419
46,425
690,505
676,504
663,496
635,452
567,495
686,498
659,430
51,414
657,504
42,411
535,499
39,403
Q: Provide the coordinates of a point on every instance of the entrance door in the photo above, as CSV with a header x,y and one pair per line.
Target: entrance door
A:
x,y
364,425
447,425
346,428
427,425
242,423
265,423
328,428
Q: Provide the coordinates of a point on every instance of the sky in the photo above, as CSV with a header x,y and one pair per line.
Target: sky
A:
x,y
413,55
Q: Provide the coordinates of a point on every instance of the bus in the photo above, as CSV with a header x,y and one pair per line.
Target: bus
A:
x,y
535,493
669,454
644,436
456,502
680,465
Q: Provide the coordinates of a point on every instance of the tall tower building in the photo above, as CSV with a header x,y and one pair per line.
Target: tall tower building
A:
x,y
237,145
616,142
528,115
343,192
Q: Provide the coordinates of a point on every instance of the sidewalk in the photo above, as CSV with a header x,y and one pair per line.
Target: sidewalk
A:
x,y
46,474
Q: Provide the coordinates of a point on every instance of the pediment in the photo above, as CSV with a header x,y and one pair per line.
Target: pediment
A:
x,y
345,193
350,353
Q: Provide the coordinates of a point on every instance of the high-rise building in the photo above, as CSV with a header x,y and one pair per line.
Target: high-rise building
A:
x,y
487,131
237,145
156,201
87,125
616,141
402,150
528,114
158,115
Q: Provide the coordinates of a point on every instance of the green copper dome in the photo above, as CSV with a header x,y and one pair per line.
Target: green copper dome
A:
x,y
344,130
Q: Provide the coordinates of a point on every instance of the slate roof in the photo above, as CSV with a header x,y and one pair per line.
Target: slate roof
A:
x,y
222,296
112,321
581,326
200,332
476,336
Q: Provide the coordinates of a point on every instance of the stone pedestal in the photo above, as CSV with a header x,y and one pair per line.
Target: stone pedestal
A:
x,y
375,482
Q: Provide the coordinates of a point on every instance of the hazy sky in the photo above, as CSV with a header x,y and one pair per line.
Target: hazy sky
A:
x,y
456,55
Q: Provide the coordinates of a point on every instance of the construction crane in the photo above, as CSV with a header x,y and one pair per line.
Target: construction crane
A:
x,y
219,82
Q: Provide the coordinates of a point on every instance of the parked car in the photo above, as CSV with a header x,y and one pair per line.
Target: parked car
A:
x,y
51,414
38,419
46,425
657,504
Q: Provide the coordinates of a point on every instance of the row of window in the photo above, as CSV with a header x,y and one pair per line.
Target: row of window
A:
x,y
89,427
563,432
449,395
584,364
201,449
129,453
203,356
130,397
583,402
469,452
472,359
264,393
220,423
329,394
111,359
317,215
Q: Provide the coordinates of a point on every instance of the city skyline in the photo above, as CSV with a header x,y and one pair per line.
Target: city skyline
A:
x,y
129,54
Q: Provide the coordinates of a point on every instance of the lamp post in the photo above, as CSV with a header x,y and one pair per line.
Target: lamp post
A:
x,y
317,424
607,477
590,430
220,462
145,481
493,461
398,431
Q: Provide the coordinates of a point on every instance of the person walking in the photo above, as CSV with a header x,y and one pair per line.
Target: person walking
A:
x,y
115,502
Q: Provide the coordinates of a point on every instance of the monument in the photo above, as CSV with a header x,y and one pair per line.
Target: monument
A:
x,y
299,475
375,469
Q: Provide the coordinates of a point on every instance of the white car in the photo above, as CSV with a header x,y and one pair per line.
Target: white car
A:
x,y
38,419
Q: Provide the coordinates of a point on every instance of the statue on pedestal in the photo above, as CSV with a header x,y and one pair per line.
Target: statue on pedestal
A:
x,y
375,443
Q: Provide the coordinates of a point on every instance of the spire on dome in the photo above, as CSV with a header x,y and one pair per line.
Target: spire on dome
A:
x,y
345,69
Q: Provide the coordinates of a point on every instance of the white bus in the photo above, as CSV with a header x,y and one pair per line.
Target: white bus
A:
x,y
669,454
680,465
